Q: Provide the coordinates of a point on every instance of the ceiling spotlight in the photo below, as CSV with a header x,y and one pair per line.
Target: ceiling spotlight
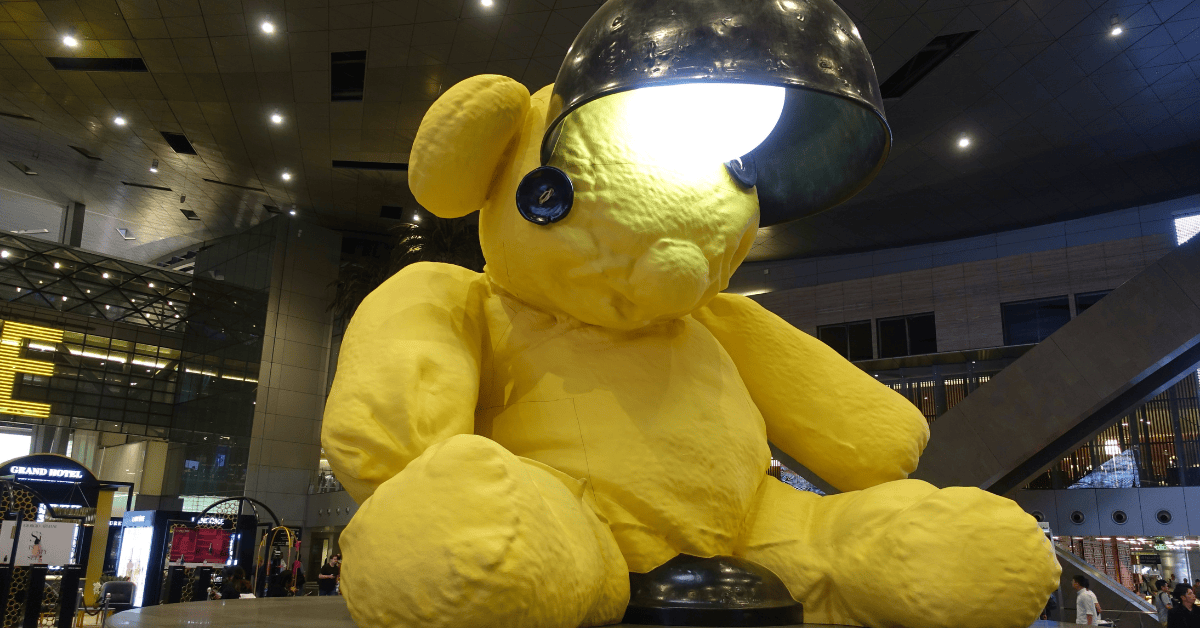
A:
x,y
57,265
105,275
964,142
416,217
3,253
70,41
276,118
292,213
486,3
287,176
119,121
151,284
154,166
1116,26
268,27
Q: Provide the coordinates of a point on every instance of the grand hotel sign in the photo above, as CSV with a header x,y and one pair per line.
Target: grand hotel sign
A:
x,y
12,341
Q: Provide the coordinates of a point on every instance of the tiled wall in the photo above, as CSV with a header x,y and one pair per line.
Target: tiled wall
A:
x,y
964,282
285,444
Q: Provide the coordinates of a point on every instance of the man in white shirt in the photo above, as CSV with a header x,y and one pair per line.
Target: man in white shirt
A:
x,y
1087,611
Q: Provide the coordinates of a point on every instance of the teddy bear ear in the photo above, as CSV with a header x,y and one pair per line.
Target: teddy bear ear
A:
x,y
462,141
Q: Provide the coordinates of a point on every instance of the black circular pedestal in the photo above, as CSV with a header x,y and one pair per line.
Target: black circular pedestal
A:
x,y
717,591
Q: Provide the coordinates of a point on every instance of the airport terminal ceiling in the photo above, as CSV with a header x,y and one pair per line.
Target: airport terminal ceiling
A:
x,y
1064,116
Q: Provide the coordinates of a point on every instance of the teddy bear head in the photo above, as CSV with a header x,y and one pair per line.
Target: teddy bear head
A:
x,y
646,240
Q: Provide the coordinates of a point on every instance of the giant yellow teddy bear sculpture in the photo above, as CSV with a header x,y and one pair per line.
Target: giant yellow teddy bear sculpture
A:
x,y
591,405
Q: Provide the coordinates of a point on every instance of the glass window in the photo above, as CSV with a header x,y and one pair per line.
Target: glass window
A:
x,y
1087,299
851,340
1028,322
915,334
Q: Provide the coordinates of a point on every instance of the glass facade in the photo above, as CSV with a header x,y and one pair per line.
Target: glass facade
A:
x,y
135,353
1158,444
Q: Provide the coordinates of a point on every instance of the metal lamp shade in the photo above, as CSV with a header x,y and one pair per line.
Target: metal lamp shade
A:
x,y
832,137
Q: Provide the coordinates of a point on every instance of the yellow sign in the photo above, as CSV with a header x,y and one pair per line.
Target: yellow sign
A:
x,y
12,336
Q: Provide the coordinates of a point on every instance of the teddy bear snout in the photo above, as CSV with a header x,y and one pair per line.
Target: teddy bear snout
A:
x,y
670,278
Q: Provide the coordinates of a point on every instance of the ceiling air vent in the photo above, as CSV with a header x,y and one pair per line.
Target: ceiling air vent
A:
x,y
234,185
347,71
931,56
86,153
98,64
146,185
179,142
190,215
19,116
271,209
369,165
391,212
23,168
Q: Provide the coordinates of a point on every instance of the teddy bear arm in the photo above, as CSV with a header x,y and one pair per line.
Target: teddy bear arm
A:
x,y
408,374
819,408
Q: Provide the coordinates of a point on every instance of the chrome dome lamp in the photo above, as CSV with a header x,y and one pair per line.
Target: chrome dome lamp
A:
x,y
831,139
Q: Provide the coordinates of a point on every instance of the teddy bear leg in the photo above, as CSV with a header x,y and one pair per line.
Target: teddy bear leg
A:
x,y
904,553
469,535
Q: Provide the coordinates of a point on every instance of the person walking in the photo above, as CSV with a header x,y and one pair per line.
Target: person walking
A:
x,y
327,580
1162,600
1183,613
1087,610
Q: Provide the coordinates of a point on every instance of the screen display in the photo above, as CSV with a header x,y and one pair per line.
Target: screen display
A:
x,y
135,554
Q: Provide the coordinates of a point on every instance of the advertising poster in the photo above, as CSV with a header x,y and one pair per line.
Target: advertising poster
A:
x,y
41,543
202,546
135,554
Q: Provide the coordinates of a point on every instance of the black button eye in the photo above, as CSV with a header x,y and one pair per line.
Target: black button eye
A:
x,y
545,195
743,170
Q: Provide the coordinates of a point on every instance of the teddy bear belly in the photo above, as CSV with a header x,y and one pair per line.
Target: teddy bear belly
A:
x,y
677,480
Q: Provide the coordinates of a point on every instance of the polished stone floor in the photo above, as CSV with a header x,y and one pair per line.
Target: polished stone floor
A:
x,y
305,612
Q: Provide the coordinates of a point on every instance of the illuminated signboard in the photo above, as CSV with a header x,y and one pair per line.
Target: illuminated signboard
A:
x,y
12,336
42,472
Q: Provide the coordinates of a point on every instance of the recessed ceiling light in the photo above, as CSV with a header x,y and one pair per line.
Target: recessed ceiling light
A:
x,y
151,284
1117,31
70,41
287,176
964,142
1116,26
268,27
276,118
486,3
57,265
105,275
154,166
292,212
416,218
3,253
119,121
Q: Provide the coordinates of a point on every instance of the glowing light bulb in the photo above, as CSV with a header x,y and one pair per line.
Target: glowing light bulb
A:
x,y
287,176
964,142
276,118
268,27
486,3
1117,30
105,275
70,41
119,121
697,124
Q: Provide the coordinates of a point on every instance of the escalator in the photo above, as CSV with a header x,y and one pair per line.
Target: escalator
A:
x,y
1127,348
